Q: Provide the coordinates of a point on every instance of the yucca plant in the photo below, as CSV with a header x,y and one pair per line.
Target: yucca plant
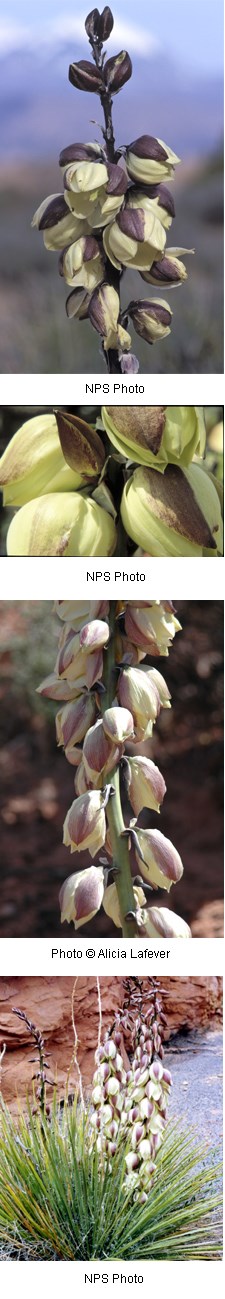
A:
x,y
56,1202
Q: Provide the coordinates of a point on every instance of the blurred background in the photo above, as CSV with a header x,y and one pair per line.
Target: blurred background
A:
x,y
37,782
176,93
12,418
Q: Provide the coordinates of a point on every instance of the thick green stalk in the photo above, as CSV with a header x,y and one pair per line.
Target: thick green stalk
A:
x,y
120,850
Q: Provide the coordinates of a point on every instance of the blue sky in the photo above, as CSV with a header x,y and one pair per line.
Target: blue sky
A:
x,y
191,30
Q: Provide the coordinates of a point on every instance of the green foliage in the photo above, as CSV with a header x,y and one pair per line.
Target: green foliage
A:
x,y
56,1203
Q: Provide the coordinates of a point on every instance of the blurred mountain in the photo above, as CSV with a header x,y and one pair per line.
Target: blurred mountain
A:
x,y
40,112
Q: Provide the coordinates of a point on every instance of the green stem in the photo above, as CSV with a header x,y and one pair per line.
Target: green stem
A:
x,y
120,849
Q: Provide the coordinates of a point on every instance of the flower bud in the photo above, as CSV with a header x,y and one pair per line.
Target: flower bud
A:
x,y
167,1080
34,464
177,513
110,1049
84,826
77,304
106,24
99,754
145,1148
81,263
136,431
85,76
118,724
155,198
81,896
72,720
79,152
63,524
169,271
146,786
58,225
76,665
131,1161
146,1108
152,320
159,920
150,160
111,903
156,1071
140,696
160,864
78,612
117,71
96,1095
112,1086
137,1135
82,448
152,629
94,635
133,239
92,24
53,688
103,313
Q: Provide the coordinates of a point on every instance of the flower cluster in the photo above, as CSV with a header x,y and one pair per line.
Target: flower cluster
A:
x,y
109,698
143,465
114,213
129,1106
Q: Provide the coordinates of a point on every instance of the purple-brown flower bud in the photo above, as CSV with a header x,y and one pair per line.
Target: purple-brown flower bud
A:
x,y
82,447
99,754
161,921
77,304
149,159
92,24
117,71
85,825
169,271
146,786
81,895
78,152
73,720
160,863
104,313
141,698
152,320
85,76
106,23
94,635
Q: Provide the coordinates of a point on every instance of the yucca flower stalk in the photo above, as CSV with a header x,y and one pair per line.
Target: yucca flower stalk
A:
x,y
65,1196
130,1105
137,477
113,214
110,699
